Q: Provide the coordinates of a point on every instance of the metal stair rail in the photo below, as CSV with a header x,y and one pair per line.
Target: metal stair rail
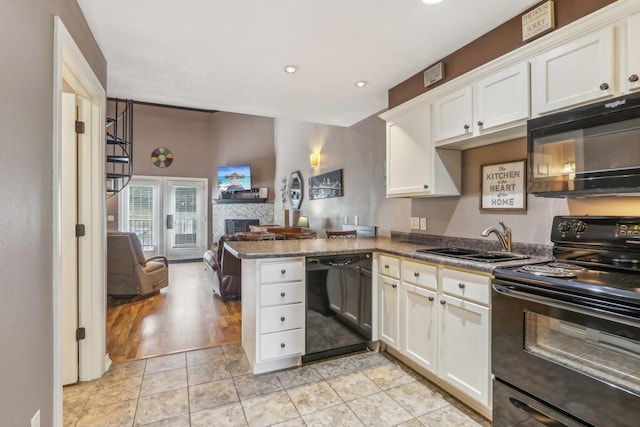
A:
x,y
119,150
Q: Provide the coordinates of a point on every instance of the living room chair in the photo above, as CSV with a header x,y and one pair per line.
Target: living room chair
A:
x,y
129,273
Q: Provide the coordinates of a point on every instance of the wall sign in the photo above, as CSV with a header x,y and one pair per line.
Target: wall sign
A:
x,y
504,186
433,74
538,21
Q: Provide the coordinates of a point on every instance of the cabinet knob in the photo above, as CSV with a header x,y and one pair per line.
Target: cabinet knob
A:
x,y
480,123
633,78
416,274
461,285
443,302
282,294
430,298
283,271
604,86
386,266
425,186
394,286
466,127
282,345
282,319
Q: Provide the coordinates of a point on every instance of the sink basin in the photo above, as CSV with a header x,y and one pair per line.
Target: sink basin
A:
x,y
473,255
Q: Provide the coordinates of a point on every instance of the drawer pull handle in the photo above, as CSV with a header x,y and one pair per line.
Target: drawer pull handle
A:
x,y
282,294
394,286
604,86
386,266
283,271
416,274
480,123
466,127
430,298
282,345
633,78
282,319
461,285
443,302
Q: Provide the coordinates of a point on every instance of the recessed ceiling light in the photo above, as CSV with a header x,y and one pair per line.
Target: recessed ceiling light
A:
x,y
290,69
431,1
361,83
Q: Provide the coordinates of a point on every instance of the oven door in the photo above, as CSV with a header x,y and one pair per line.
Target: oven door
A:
x,y
572,353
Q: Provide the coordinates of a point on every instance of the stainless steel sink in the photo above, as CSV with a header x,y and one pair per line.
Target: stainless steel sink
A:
x,y
473,255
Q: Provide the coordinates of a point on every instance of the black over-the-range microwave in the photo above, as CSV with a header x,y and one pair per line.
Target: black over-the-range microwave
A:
x,y
587,151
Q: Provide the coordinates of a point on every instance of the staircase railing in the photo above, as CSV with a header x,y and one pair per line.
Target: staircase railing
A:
x,y
119,166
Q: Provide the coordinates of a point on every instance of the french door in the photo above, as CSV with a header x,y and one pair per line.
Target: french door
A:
x,y
168,214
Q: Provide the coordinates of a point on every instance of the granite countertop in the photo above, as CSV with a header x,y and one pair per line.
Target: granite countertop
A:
x,y
318,247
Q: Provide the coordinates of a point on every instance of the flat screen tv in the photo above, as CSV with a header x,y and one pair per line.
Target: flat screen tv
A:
x,y
234,178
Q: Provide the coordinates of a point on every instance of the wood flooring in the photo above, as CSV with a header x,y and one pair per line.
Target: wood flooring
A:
x,y
183,316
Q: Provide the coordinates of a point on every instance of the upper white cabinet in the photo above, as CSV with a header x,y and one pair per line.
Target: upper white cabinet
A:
x,y
497,102
631,78
414,168
574,73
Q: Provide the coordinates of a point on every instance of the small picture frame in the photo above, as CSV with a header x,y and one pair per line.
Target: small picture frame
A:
x,y
538,21
503,186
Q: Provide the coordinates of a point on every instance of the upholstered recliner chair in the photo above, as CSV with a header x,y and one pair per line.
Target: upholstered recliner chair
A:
x,y
129,273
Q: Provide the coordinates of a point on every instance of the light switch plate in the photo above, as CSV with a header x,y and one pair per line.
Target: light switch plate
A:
x,y
423,223
415,223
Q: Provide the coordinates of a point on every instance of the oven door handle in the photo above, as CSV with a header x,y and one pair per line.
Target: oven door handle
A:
x,y
536,415
511,290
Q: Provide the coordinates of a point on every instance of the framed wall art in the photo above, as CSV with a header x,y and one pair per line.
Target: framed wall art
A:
x,y
326,185
503,186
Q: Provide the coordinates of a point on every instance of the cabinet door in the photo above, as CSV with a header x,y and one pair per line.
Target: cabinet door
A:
x,y
409,155
502,98
419,325
464,347
389,302
632,76
574,73
453,115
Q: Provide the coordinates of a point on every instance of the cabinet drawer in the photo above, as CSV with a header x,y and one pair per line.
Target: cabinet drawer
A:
x,y
281,293
281,344
467,285
420,274
284,271
389,266
281,318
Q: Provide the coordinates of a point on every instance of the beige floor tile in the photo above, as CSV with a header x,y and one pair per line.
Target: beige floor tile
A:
x,y
296,422
212,395
207,372
227,416
411,423
335,367
417,398
233,351
313,397
181,421
388,376
163,381
369,360
379,410
121,371
257,385
117,414
449,416
165,363
162,406
270,409
76,396
335,416
298,376
206,355
116,391
239,367
353,386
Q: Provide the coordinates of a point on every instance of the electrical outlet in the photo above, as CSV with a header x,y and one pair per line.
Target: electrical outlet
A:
x,y
35,420
415,223
423,223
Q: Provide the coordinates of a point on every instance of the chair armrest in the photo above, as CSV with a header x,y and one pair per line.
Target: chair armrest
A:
x,y
161,257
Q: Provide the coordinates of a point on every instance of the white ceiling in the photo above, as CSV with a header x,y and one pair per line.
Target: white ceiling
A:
x,y
229,55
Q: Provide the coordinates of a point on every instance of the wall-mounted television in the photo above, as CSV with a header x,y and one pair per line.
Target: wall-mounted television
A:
x,y
234,178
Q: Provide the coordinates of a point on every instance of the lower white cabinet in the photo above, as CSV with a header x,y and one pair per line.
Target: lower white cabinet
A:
x,y
420,325
389,310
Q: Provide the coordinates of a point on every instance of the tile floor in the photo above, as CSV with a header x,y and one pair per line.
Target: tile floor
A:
x,y
214,387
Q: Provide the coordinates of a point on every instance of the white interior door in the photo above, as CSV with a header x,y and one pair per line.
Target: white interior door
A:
x,y
185,217
69,272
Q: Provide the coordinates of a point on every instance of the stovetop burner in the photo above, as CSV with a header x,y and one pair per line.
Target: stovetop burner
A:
x,y
549,270
566,266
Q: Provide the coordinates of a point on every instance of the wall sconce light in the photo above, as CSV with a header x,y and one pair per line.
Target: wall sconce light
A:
x,y
303,221
314,160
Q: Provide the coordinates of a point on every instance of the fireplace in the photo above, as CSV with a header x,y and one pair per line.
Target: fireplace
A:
x,y
232,226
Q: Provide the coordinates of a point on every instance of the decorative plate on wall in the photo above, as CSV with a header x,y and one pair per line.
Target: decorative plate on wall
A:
x,y
162,157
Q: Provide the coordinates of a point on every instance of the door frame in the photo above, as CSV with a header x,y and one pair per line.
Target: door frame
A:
x,y
71,66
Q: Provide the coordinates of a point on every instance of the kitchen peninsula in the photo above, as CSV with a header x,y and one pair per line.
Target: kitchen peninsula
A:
x,y
413,296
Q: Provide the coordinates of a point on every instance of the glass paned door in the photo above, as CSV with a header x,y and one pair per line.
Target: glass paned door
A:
x,y
185,218
142,211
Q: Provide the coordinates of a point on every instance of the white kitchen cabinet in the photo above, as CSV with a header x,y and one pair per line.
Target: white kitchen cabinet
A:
x,y
388,285
632,75
273,312
574,73
414,168
453,115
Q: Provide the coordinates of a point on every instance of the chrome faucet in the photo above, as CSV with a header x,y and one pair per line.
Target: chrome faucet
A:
x,y
504,237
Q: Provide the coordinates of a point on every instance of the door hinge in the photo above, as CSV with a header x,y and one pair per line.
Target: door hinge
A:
x,y
79,126
81,333
80,230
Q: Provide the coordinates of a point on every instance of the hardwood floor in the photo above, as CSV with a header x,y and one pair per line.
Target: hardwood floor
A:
x,y
183,316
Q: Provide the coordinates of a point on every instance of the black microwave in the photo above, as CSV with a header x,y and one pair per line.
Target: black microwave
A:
x,y
587,151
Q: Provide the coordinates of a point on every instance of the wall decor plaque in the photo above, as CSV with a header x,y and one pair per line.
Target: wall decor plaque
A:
x,y
538,21
162,157
503,186
433,74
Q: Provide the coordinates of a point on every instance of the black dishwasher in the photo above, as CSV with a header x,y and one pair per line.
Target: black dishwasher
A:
x,y
338,313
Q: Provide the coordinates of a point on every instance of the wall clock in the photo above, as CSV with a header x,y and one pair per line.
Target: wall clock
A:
x,y
162,157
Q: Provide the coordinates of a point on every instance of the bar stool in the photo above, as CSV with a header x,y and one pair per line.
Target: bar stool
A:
x,y
348,234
